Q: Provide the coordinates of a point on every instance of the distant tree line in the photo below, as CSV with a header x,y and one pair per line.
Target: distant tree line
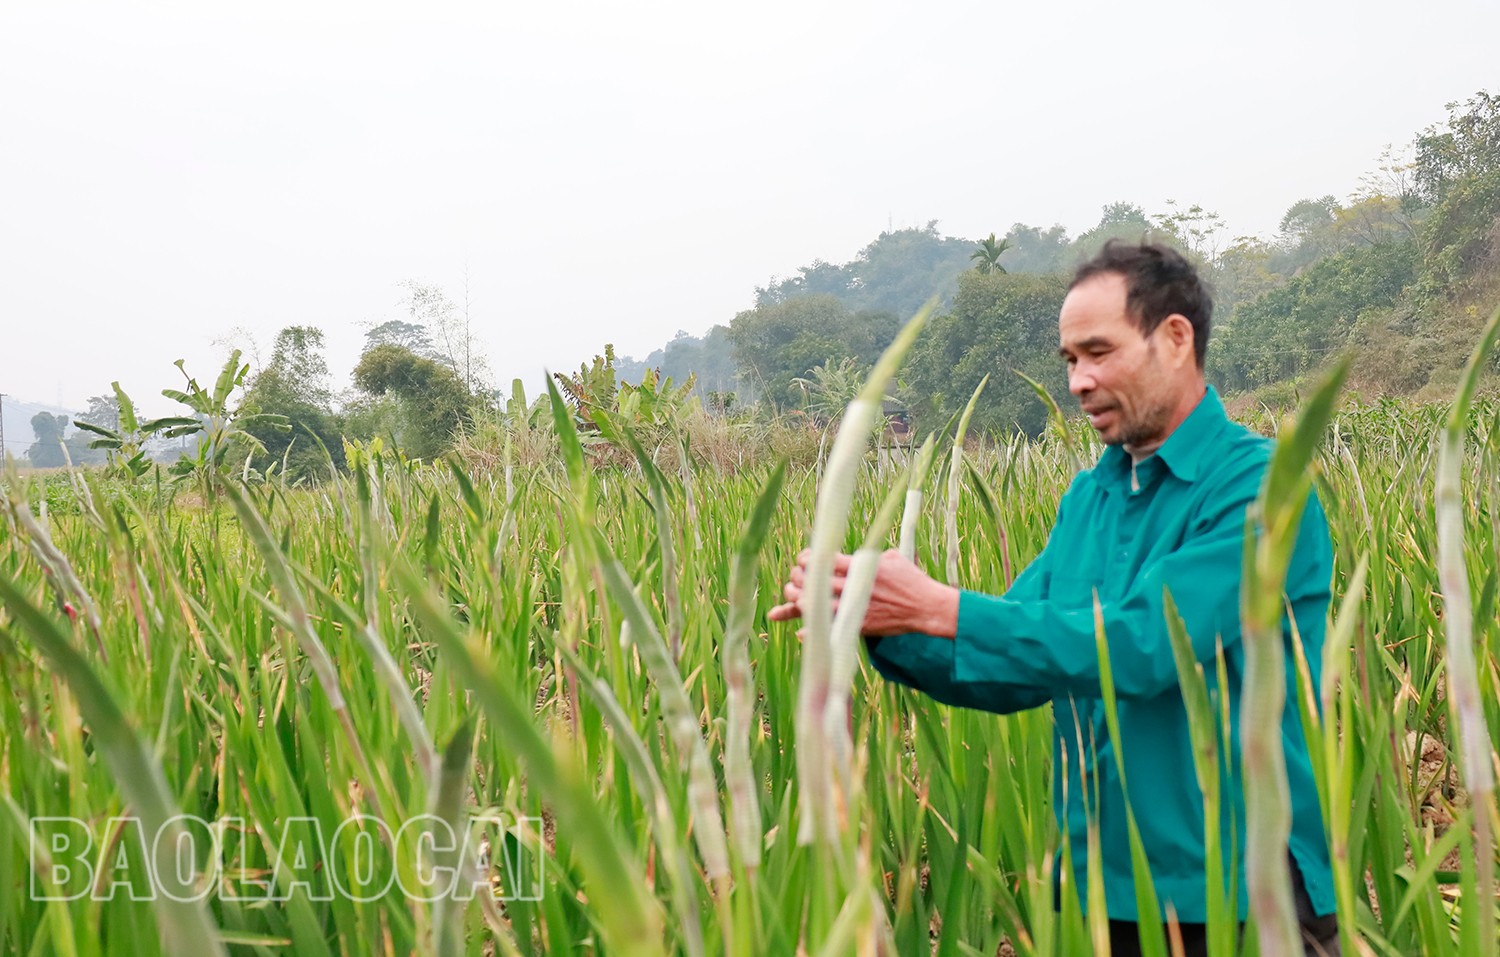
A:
x,y
420,381
1397,272
1402,272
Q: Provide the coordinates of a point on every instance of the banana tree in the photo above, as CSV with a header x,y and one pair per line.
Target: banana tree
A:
x,y
218,426
125,445
828,389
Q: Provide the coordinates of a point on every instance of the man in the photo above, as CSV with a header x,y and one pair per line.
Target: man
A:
x,y
1163,510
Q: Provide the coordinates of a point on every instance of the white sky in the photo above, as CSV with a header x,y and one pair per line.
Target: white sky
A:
x,y
616,172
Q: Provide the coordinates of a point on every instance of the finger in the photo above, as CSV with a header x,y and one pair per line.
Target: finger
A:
x,y
799,578
841,563
794,588
786,612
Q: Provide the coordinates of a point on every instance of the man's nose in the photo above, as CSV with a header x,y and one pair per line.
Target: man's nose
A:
x,y
1080,381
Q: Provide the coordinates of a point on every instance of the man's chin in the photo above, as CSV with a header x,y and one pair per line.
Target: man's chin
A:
x,y
1110,435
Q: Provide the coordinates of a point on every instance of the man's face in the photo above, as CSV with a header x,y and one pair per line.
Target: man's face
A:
x,y
1115,371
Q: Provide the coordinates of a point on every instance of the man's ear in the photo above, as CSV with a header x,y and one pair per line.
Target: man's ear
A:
x,y
1178,333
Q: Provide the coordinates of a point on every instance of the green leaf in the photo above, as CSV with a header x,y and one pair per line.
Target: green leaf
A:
x,y
127,409
186,927
1272,522
449,793
473,506
271,419
230,376
567,434
1056,417
100,430
631,918
196,401
169,422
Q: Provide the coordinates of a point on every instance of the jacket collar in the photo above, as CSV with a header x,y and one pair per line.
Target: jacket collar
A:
x,y
1184,450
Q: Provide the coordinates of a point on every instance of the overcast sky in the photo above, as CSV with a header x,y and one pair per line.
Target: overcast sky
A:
x,y
616,172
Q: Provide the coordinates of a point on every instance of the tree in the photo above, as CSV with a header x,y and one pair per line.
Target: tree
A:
x,y
1036,250
999,322
1194,230
830,387
1457,170
47,451
294,386
411,336
593,386
820,278
1308,223
987,257
709,360
1314,228
221,429
1242,273
901,270
1394,181
1117,221
896,273
775,344
451,332
123,437
1295,328
1465,146
104,410
1371,219
55,448
1123,214
297,361
432,400
852,309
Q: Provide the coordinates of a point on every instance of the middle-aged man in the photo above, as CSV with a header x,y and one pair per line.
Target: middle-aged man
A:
x,y
1163,510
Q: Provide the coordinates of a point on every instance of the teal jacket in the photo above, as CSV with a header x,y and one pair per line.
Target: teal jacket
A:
x,y
1182,529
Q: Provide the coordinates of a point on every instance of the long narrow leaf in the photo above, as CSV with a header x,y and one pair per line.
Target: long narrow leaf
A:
x,y
183,919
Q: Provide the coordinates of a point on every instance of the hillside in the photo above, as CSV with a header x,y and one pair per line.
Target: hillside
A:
x,y
1402,273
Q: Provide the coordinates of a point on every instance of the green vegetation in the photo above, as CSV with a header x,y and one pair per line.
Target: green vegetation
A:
x,y
1289,332
575,648
542,621
1397,273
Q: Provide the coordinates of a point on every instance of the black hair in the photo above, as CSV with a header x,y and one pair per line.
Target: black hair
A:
x,y
1159,282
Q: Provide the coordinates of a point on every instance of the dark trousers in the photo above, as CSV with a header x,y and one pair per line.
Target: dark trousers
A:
x,y
1320,934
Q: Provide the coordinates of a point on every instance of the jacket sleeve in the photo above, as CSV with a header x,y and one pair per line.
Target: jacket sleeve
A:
x,y
1041,644
926,663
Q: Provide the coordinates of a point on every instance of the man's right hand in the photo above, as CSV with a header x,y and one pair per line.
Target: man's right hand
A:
x,y
902,599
